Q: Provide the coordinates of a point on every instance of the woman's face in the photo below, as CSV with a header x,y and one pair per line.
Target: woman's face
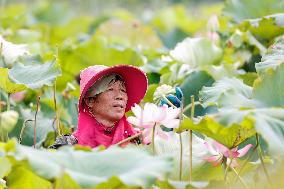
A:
x,y
110,105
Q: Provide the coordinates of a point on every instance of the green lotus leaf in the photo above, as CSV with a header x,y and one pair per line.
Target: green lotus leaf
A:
x,y
197,52
7,85
27,36
207,170
132,33
191,85
24,178
154,64
252,40
176,17
10,16
227,92
70,32
174,36
273,58
52,13
267,27
249,9
165,184
176,73
8,147
217,173
150,93
114,182
231,136
133,166
47,107
264,103
268,89
35,76
248,78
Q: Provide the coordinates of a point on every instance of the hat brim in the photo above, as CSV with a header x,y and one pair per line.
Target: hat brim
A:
x,y
136,83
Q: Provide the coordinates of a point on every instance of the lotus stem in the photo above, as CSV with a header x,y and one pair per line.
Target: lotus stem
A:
x,y
1,137
180,155
8,102
241,179
54,129
153,140
54,95
189,106
227,168
0,104
55,108
37,106
247,159
190,138
128,139
5,133
23,129
262,162
171,104
8,109
0,110
180,139
1,49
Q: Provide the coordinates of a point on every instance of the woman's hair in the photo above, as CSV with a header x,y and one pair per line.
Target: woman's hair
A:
x,y
102,84
116,78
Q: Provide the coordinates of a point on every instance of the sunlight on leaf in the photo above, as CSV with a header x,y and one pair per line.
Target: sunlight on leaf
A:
x,y
7,85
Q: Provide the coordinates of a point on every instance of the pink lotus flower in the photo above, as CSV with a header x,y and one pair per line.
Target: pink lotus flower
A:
x,y
213,23
220,151
19,96
154,115
213,36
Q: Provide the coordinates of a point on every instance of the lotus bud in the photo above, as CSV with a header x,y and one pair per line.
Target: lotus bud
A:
x,y
163,90
8,120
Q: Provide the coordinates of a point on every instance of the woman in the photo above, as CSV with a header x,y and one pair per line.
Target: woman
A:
x,y
106,93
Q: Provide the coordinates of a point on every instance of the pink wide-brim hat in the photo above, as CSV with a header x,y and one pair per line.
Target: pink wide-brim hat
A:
x,y
135,81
